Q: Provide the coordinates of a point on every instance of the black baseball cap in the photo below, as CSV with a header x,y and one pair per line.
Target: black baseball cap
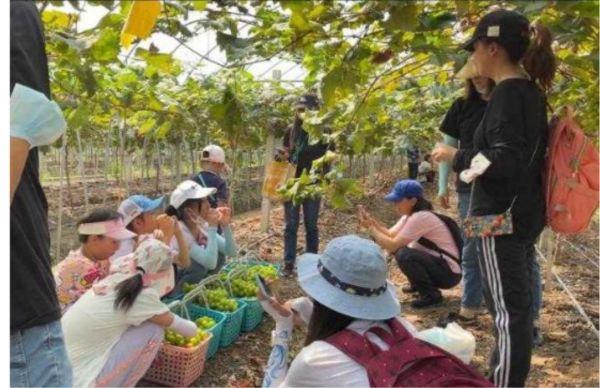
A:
x,y
309,101
509,28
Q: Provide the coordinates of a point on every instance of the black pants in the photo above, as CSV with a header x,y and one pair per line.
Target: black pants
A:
x,y
413,170
507,280
426,273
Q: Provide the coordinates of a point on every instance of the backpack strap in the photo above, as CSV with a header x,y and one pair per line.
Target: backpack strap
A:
x,y
354,345
427,243
398,329
203,184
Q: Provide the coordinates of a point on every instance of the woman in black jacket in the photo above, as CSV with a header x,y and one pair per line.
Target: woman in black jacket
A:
x,y
512,137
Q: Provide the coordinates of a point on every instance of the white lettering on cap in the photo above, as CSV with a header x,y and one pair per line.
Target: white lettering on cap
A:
x,y
493,31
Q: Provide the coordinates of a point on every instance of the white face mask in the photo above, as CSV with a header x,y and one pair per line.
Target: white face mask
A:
x,y
483,91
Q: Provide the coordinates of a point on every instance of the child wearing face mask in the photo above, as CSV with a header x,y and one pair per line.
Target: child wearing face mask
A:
x,y
199,224
100,234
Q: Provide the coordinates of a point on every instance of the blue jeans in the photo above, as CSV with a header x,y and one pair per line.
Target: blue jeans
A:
x,y
38,357
536,284
310,209
472,286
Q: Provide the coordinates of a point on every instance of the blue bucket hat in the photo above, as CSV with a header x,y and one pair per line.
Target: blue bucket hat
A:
x,y
138,204
350,277
406,188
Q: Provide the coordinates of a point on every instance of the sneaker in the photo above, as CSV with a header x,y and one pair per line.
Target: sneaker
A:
x,y
409,289
537,337
287,271
427,301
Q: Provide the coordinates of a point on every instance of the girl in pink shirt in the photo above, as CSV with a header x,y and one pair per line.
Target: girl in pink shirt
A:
x,y
427,270
100,234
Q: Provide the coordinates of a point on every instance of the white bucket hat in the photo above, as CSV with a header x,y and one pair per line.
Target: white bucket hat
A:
x,y
189,190
350,277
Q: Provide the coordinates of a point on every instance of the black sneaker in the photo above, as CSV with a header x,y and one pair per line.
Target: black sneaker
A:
x,y
427,301
455,317
287,271
409,289
537,337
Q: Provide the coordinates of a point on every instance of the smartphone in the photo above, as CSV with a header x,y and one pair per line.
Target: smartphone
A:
x,y
262,284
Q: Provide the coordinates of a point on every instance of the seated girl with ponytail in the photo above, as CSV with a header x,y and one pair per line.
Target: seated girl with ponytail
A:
x,y
199,224
115,329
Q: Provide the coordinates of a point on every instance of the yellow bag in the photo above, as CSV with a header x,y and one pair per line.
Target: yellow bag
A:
x,y
276,175
140,21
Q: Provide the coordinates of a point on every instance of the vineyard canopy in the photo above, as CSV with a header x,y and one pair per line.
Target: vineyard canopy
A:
x,y
383,69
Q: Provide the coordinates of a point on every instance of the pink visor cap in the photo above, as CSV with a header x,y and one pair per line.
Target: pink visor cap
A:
x,y
112,228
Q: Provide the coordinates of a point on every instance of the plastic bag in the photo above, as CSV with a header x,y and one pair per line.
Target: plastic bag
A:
x,y
276,175
453,339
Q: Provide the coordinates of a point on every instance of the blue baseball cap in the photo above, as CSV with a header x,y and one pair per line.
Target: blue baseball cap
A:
x,y
138,204
406,188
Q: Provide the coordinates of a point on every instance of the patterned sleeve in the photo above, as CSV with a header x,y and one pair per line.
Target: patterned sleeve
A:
x,y
73,278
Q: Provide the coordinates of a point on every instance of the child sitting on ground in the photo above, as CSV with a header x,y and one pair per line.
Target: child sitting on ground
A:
x,y
199,223
143,216
113,332
100,233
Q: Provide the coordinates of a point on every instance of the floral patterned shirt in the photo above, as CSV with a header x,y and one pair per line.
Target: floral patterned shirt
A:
x,y
75,275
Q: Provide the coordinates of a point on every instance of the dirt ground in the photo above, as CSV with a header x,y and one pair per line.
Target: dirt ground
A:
x,y
567,357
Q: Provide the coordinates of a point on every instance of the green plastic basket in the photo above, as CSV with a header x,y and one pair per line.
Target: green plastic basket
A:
x,y
232,325
253,315
196,312
192,312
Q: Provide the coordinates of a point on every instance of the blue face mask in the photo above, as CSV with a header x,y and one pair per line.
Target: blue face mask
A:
x,y
34,118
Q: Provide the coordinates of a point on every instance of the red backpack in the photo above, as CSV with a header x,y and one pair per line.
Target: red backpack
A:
x,y
571,176
409,362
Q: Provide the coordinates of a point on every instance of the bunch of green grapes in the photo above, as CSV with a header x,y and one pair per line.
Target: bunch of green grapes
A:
x,y
188,287
205,322
244,288
177,339
218,299
268,272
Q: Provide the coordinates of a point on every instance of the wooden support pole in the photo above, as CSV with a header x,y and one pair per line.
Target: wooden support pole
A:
x,y
82,170
265,208
371,179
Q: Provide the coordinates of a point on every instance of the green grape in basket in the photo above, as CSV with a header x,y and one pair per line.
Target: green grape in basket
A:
x,y
205,322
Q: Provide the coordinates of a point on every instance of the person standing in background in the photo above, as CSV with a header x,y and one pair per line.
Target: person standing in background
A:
x,y
458,128
302,154
412,153
213,165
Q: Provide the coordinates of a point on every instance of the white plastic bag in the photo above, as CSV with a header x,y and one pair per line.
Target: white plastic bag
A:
x,y
453,339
